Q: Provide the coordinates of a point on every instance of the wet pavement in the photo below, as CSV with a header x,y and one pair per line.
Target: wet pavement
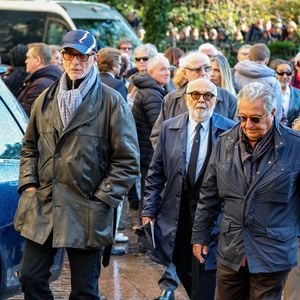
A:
x,y
131,276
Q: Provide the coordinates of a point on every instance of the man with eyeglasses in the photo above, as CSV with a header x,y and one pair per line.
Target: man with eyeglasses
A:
x,y
141,56
126,48
195,65
290,95
75,168
172,190
253,176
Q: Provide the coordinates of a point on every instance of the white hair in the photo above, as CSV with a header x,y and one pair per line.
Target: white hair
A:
x,y
209,47
159,58
188,59
255,91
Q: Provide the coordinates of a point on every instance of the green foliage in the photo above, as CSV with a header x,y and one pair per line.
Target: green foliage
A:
x,y
285,50
157,15
155,22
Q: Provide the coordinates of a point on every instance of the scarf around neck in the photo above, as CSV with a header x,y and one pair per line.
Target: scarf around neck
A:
x,y
69,100
251,157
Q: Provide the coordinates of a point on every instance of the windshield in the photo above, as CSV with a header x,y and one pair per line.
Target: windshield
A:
x,y
108,32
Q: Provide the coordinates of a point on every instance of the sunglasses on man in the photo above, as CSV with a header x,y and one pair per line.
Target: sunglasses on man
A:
x,y
206,96
144,58
69,56
253,119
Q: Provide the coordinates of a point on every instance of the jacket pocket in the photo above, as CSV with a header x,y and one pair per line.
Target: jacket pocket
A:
x,y
24,205
276,185
282,234
100,224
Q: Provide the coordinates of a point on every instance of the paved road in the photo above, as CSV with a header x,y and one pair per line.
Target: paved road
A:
x,y
132,276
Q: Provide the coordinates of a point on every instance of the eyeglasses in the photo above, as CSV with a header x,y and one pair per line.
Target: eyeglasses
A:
x,y
253,119
281,73
144,58
125,48
206,69
70,56
206,96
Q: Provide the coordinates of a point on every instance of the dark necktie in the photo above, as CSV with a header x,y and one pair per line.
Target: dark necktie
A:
x,y
192,167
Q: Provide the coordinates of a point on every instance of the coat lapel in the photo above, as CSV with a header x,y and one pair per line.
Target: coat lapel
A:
x,y
181,128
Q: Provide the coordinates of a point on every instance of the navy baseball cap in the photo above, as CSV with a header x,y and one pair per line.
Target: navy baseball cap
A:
x,y
80,40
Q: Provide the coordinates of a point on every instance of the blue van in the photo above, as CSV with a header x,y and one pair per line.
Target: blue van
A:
x,y
13,122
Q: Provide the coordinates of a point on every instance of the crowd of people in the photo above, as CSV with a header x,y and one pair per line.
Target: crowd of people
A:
x,y
205,151
261,31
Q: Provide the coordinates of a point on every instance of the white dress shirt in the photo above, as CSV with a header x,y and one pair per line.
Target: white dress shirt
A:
x,y
204,135
286,97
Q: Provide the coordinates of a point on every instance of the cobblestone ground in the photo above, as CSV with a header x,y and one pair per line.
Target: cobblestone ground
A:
x,y
132,276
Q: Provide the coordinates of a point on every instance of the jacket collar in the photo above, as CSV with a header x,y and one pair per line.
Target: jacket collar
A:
x,y
84,114
179,93
279,140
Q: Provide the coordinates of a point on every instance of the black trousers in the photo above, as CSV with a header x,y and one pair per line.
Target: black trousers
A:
x,y
199,283
84,266
242,285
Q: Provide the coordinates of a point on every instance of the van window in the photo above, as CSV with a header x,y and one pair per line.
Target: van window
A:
x,y
56,30
28,27
10,144
104,22
14,28
108,32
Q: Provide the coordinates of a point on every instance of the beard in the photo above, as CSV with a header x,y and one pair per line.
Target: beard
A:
x,y
201,115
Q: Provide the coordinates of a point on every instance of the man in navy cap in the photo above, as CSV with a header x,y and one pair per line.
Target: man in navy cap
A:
x,y
80,156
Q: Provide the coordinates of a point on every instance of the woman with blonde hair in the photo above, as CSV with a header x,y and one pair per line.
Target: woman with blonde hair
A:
x,y
179,79
220,73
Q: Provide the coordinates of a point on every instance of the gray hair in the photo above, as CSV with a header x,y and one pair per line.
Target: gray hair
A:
x,y
208,47
159,58
150,48
188,59
254,91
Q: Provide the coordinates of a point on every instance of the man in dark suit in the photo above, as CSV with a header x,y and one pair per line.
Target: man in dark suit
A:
x,y
109,64
173,185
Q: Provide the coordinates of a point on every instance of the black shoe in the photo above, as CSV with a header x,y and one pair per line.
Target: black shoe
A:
x,y
117,251
166,295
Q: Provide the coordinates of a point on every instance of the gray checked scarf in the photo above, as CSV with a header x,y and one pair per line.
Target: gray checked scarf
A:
x,y
252,157
69,100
